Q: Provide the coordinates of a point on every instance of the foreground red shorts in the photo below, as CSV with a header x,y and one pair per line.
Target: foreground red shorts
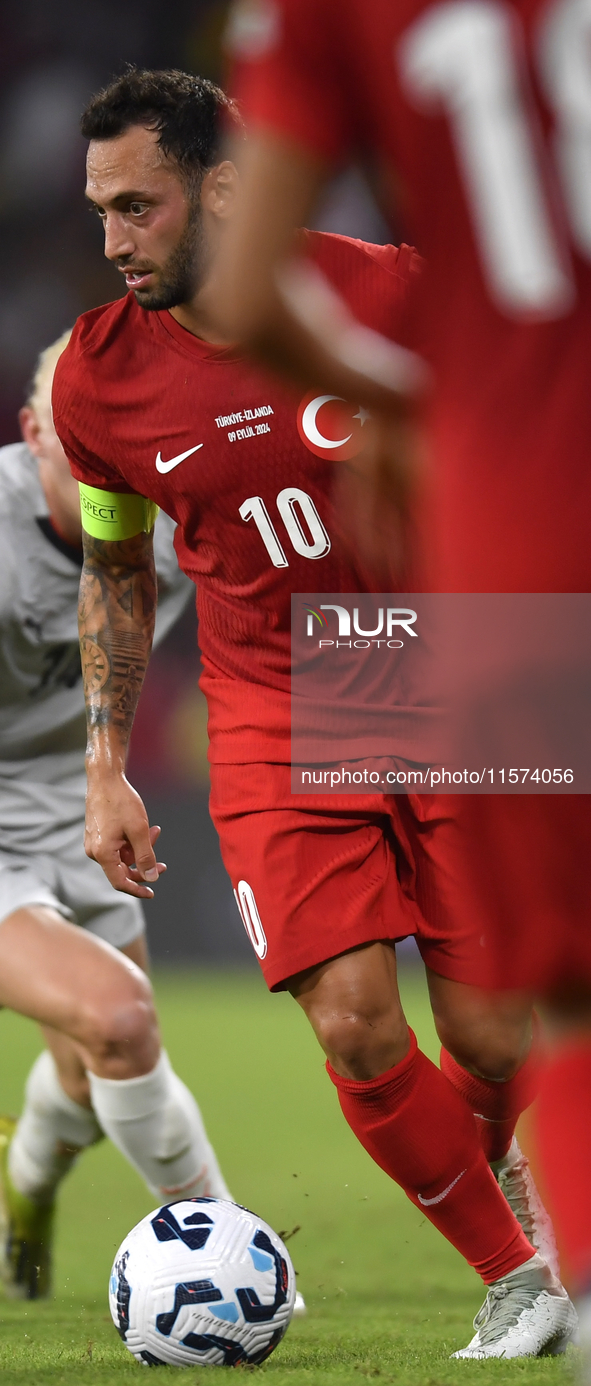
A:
x,y
317,875
527,878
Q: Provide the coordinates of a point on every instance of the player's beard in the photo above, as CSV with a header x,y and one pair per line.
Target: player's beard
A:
x,y
180,276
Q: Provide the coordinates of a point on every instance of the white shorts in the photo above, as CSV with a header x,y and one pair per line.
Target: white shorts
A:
x,y
42,857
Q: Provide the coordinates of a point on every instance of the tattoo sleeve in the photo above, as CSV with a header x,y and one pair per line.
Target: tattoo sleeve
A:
x,y
116,612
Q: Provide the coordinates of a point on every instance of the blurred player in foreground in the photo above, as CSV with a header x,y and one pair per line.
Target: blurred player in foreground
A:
x,y
72,952
155,404
474,121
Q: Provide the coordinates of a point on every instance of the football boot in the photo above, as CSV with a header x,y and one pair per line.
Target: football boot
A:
x,y
27,1232
526,1314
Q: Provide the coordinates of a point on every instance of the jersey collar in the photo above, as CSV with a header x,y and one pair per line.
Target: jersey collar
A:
x,y
205,351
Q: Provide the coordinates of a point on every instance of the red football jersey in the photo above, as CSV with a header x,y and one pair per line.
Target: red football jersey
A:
x,y
481,110
244,466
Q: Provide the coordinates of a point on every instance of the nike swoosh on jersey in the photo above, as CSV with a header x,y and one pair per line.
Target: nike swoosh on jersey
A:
x,y
174,461
427,1202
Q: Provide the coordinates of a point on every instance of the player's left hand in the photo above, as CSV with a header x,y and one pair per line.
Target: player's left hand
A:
x,y
118,834
127,857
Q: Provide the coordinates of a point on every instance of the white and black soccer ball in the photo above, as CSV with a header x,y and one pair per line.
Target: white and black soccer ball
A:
x,y
201,1282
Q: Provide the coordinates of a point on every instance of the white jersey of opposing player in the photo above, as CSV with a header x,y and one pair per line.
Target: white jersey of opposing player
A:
x,y
41,695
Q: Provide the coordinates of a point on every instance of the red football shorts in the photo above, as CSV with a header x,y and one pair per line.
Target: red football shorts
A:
x,y
526,861
317,875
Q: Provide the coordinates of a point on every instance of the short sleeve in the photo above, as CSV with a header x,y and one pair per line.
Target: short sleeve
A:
x,y
378,283
285,72
72,408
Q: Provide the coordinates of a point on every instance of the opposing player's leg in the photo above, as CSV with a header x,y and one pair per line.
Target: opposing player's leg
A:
x,y
96,1007
176,1116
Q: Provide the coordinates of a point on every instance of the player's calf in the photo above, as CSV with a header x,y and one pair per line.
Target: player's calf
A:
x,y
155,1121
497,1105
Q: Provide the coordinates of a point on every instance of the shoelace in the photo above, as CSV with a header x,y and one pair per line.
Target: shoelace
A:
x,y
514,1184
492,1321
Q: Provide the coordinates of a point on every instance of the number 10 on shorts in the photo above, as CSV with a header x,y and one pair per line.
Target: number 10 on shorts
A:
x,y
251,918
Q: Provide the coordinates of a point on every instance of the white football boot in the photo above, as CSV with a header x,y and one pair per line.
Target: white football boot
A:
x,y
515,1181
526,1314
299,1308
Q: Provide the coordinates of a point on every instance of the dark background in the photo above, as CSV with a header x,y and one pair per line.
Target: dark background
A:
x,y
53,55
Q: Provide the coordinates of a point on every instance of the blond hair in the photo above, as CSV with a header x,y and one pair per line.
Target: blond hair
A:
x,y
40,387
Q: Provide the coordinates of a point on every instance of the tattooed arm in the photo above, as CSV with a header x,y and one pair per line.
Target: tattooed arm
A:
x,y
116,612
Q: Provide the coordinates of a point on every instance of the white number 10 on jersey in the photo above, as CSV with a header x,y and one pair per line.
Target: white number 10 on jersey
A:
x,y
301,519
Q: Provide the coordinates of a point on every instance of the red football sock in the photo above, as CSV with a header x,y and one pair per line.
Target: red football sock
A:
x,y
417,1128
496,1106
563,1122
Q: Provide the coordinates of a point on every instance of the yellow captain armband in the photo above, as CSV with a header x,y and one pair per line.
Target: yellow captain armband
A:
x,y
115,514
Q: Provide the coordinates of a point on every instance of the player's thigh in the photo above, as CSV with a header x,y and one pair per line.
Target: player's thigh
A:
x,y
448,935
312,879
59,975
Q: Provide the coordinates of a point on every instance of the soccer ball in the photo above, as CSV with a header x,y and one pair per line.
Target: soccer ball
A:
x,y
201,1282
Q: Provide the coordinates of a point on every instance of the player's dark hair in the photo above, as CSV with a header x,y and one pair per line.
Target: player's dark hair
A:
x,y
192,116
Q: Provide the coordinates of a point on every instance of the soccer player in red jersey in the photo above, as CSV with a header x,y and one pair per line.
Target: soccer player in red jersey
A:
x,y
153,408
474,119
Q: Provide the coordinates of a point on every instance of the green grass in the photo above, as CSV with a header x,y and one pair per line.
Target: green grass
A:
x,y
387,1297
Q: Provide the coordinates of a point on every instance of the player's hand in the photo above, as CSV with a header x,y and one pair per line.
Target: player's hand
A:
x,y
118,835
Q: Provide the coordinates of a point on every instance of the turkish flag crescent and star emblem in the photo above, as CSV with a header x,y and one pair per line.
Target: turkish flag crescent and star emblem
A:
x,y
331,427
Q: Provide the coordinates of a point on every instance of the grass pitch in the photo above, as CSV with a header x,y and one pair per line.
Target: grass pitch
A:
x,y
387,1297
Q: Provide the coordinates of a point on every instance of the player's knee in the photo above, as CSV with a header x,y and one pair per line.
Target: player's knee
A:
x,y
498,1062
364,1042
124,1029
495,1053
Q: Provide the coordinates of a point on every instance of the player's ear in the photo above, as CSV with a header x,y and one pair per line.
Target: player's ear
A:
x,y
29,426
219,189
